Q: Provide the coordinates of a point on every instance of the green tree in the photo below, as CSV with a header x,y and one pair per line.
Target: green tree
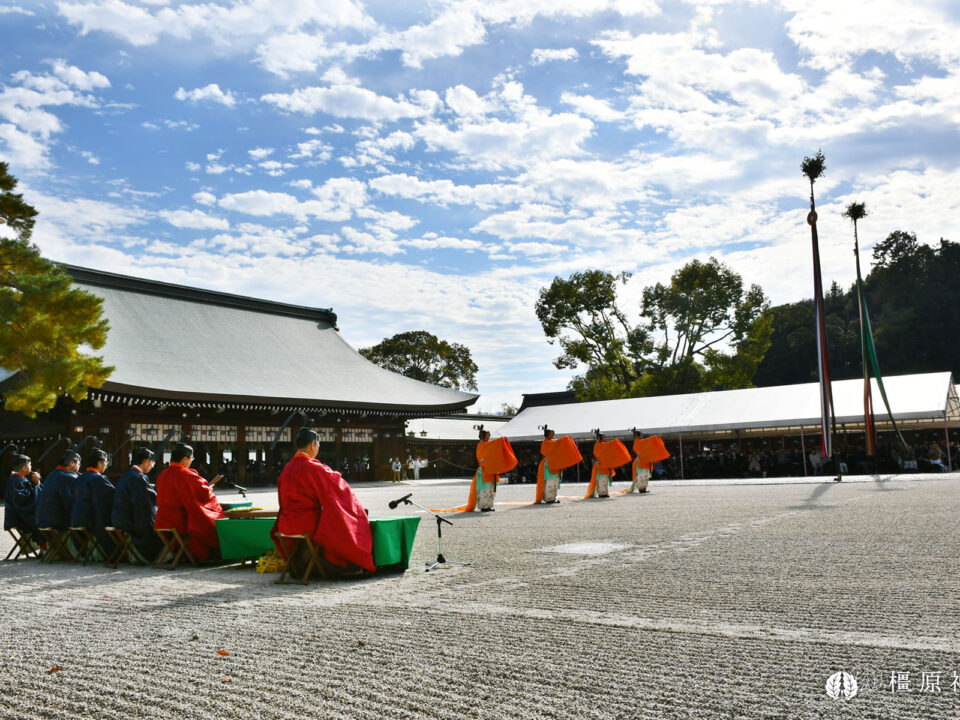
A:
x,y
581,315
914,307
43,320
701,331
423,356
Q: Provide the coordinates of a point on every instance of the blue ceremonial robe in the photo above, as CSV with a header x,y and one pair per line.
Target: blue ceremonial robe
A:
x,y
93,506
20,512
56,501
134,511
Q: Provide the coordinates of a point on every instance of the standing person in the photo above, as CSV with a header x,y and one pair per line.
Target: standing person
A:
x,y
418,463
93,500
20,499
135,505
648,451
558,455
316,501
396,467
493,458
185,501
608,455
56,499
408,467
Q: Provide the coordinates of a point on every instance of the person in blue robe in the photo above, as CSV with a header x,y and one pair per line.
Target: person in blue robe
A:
x,y
93,500
56,498
20,499
135,505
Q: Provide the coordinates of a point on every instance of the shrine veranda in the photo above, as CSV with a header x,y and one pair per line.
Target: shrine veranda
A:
x,y
732,599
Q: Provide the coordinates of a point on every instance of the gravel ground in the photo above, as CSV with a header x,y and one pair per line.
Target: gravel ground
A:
x,y
709,601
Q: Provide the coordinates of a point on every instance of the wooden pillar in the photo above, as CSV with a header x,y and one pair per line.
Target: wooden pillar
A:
x,y
241,456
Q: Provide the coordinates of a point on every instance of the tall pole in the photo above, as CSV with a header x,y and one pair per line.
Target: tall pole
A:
x,y
827,414
869,428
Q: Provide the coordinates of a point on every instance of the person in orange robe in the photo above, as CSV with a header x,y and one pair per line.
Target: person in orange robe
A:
x,y
185,501
493,458
648,451
558,455
317,501
608,455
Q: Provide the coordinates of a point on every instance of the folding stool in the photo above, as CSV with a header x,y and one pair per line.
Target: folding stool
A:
x,y
22,546
314,558
175,546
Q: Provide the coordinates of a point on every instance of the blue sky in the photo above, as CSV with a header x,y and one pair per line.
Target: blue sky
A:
x,y
432,166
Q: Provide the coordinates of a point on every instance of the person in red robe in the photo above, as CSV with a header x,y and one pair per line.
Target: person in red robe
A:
x,y
185,501
317,501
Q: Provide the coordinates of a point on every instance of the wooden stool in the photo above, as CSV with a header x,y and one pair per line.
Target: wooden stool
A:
x,y
123,549
58,544
22,546
87,544
314,558
175,546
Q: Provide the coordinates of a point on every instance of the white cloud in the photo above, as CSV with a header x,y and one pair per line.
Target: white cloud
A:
x,y
345,101
194,219
260,153
204,198
830,34
498,144
444,192
28,128
15,9
592,107
211,92
378,151
245,19
542,55
316,150
337,200
78,78
466,102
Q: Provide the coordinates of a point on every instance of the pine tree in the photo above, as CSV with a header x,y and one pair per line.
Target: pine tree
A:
x,y
43,319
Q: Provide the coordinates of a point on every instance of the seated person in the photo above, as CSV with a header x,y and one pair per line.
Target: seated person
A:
x,y
316,501
135,505
56,498
93,500
20,498
185,501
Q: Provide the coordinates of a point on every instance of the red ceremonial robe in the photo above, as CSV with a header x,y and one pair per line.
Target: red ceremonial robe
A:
x,y
186,502
316,501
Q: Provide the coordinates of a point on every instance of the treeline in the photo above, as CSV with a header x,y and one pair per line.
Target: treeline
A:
x,y
913,296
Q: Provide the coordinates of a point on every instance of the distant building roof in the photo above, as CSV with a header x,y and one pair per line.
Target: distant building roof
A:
x,y
181,344
454,427
559,397
923,397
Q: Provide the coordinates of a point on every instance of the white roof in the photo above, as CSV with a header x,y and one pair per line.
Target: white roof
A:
x,y
912,397
453,428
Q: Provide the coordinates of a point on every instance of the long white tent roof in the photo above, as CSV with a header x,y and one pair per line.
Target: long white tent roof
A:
x,y
927,396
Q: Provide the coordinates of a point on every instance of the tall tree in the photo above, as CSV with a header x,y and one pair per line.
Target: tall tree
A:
x,y
43,320
914,306
701,331
423,356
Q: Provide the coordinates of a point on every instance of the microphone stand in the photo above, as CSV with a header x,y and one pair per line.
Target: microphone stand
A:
x,y
441,560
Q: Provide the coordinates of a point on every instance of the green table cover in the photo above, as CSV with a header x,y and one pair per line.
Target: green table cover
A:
x,y
249,538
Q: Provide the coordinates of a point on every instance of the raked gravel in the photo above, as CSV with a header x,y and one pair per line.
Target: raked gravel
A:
x,y
695,601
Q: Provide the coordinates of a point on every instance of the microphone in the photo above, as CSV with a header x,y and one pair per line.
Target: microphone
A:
x,y
393,503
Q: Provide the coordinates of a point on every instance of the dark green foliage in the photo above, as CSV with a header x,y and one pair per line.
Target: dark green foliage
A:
x,y
702,331
43,319
914,303
814,167
423,356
